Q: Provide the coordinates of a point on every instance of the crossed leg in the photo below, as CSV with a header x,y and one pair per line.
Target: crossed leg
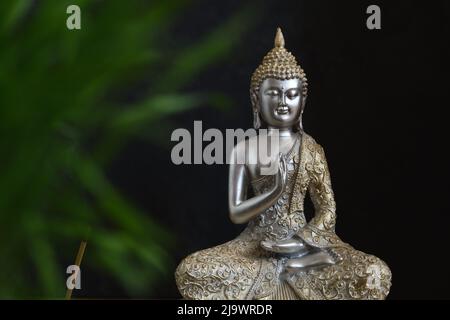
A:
x,y
300,256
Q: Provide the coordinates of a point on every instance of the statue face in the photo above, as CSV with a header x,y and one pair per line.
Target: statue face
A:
x,y
280,102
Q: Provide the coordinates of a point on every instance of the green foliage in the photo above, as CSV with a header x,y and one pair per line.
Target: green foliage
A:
x,y
60,129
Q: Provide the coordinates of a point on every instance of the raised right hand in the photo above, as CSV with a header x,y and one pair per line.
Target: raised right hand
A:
x,y
281,176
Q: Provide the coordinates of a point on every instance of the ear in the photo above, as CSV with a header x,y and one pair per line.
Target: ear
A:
x,y
254,99
300,119
303,103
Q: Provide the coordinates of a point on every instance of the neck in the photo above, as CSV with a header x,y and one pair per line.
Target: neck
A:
x,y
282,132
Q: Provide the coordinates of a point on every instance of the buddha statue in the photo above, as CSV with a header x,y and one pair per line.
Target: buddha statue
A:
x,y
280,255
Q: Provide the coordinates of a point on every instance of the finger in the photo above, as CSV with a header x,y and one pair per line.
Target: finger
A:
x,y
280,166
280,159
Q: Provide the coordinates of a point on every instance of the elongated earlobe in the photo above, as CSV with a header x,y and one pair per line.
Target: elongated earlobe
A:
x,y
254,101
256,120
300,119
299,124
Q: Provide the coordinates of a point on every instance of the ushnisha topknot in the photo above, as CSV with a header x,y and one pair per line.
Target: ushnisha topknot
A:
x,y
279,64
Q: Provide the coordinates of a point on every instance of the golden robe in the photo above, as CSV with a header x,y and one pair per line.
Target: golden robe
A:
x,y
241,269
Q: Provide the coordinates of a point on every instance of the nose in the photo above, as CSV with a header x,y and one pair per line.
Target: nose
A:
x,y
283,100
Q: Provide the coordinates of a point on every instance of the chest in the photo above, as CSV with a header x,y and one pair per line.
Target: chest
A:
x,y
266,161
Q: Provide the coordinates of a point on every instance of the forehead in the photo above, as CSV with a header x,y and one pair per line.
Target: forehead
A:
x,y
277,83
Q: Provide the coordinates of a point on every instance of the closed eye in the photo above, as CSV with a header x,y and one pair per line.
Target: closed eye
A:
x,y
292,93
272,92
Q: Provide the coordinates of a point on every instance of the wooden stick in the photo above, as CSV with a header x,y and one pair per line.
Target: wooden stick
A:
x,y
78,260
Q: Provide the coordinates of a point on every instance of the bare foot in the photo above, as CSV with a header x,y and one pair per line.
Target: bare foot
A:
x,y
316,259
284,246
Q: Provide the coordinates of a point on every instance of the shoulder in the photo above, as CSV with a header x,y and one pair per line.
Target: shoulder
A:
x,y
311,145
243,145
313,155
242,149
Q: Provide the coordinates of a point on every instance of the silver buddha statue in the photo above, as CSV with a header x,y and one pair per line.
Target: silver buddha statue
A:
x,y
280,255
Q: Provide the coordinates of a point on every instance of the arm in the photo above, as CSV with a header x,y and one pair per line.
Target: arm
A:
x,y
321,193
324,219
243,209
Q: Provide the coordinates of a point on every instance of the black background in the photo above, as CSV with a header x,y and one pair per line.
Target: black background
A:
x,y
377,103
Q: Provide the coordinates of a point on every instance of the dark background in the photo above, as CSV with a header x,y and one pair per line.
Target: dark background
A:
x,y
86,118
377,103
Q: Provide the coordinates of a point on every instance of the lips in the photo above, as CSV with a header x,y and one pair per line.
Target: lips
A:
x,y
282,110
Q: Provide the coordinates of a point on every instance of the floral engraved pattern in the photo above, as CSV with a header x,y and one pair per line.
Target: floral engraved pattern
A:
x,y
240,269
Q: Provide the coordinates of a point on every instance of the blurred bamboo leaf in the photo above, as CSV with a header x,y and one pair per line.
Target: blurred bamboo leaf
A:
x,y
214,47
14,12
156,107
56,95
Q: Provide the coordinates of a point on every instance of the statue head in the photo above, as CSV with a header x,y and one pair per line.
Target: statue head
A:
x,y
278,88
